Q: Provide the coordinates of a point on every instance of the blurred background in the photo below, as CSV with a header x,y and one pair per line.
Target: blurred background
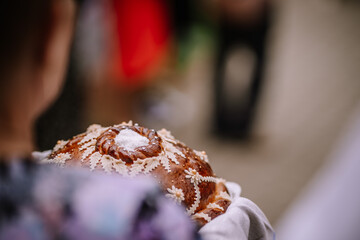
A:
x,y
266,88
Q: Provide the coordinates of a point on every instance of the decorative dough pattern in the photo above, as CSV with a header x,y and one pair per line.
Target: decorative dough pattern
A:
x,y
184,174
176,193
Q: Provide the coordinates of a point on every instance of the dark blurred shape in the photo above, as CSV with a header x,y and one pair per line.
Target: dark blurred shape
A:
x,y
245,27
13,43
182,17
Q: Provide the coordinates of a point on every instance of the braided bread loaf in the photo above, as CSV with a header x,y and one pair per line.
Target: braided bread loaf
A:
x,y
184,174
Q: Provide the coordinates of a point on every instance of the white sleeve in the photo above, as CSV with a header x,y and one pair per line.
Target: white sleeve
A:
x,y
38,156
242,220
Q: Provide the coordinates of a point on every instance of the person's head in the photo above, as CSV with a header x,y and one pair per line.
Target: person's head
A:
x,y
35,38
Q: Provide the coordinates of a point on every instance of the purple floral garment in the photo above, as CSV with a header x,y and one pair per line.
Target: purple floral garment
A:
x,y
45,202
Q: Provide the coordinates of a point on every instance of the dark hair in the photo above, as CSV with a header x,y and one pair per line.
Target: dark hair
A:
x,y
21,24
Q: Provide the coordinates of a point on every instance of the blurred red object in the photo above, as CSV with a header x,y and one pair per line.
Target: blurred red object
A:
x,y
142,36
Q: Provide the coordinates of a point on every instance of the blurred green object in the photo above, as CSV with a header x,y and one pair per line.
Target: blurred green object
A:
x,y
200,36
195,28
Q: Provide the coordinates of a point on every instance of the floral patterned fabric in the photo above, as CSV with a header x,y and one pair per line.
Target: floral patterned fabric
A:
x,y
45,202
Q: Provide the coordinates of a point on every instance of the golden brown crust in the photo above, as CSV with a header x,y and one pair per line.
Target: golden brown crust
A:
x,y
106,144
183,173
